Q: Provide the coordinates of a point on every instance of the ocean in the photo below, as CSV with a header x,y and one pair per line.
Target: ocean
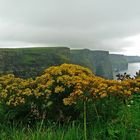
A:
x,y
132,69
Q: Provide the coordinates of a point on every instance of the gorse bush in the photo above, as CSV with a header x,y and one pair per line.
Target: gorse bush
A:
x,y
16,96
60,92
58,83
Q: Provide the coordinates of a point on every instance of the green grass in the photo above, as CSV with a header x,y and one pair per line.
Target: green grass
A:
x,y
42,132
68,132
31,62
125,127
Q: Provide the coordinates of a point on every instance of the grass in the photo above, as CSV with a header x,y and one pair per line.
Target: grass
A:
x,y
42,132
68,132
125,127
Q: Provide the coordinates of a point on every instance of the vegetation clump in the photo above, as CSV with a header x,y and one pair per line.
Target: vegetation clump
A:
x,y
65,93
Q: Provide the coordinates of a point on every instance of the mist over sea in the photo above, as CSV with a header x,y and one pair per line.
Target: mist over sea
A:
x,y
132,69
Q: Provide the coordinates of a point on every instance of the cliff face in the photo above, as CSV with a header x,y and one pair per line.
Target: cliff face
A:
x,y
32,61
133,59
102,64
119,62
83,58
98,61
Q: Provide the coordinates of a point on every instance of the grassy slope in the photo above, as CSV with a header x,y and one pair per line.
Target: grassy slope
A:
x,y
26,62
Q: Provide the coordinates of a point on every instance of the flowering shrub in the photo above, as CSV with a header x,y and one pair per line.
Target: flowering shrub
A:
x,y
55,94
61,82
16,95
15,91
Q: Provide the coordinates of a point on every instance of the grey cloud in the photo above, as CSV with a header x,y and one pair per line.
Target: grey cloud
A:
x,y
94,24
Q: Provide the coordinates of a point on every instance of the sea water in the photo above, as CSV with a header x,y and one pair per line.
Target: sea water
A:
x,y
132,69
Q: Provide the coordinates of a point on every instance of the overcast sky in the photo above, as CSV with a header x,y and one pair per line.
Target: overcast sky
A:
x,y
112,25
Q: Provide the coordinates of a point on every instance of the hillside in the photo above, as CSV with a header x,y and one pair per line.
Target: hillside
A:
x,y
30,62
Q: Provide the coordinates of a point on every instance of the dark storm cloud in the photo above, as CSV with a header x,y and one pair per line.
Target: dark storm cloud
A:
x,y
94,24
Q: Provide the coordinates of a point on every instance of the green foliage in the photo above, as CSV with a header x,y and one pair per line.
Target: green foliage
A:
x,y
137,74
36,108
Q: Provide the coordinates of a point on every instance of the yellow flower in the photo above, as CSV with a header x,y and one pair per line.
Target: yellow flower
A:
x,y
127,92
104,94
59,89
3,94
37,94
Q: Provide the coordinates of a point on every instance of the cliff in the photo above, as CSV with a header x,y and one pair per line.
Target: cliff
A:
x,y
102,64
83,58
30,62
119,62
98,61
133,59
